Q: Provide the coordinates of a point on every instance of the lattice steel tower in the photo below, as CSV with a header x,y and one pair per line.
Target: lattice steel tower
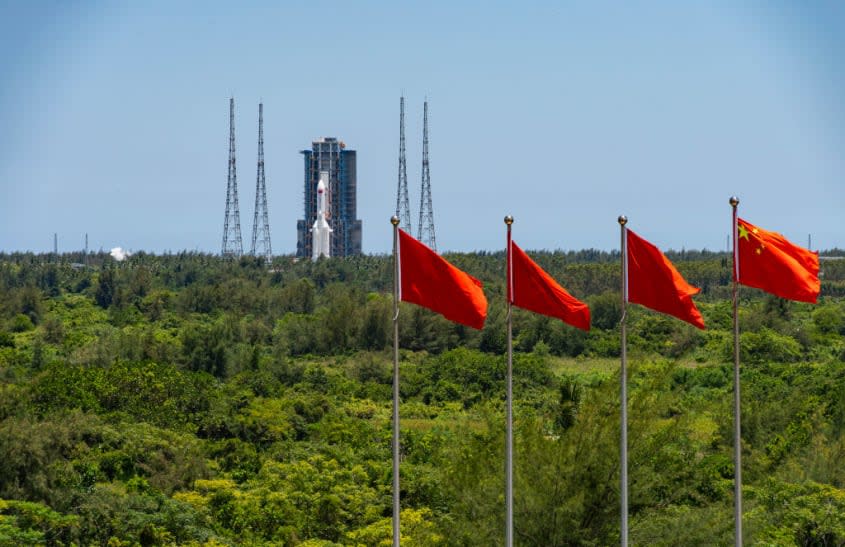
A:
x,y
232,242
403,207
261,244
426,226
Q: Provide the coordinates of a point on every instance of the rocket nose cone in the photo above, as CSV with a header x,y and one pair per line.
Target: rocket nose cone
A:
x,y
321,186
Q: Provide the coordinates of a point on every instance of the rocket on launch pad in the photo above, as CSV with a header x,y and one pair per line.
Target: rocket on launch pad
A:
x,y
320,230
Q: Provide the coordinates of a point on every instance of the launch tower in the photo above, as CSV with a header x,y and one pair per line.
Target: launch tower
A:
x,y
330,157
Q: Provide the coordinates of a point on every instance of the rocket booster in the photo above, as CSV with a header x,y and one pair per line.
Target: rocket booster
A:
x,y
320,230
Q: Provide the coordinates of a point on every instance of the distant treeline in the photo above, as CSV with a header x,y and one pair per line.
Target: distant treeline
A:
x,y
340,305
584,273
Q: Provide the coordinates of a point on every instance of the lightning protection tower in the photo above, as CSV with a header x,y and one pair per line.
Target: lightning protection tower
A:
x,y
403,207
261,221
232,242
426,226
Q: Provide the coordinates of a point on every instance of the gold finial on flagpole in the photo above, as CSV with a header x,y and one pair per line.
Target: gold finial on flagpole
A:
x,y
394,220
623,220
509,220
734,201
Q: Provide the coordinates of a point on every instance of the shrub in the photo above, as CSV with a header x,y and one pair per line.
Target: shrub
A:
x,y
767,345
22,323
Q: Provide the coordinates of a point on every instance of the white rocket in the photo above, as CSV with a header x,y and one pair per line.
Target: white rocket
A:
x,y
321,229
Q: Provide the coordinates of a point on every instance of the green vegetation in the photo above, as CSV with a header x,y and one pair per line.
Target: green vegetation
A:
x,y
190,400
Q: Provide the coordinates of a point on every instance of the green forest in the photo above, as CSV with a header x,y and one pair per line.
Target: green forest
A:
x,y
188,399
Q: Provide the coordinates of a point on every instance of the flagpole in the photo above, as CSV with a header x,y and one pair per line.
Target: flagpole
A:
x,y
623,389
509,429
394,220
734,201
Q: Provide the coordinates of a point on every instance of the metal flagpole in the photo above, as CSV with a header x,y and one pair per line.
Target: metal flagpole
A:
x,y
396,285
509,433
734,201
623,389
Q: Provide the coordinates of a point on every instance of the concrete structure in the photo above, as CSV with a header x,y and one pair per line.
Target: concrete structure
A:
x,y
330,156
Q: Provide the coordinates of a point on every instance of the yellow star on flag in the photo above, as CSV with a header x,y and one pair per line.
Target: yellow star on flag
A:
x,y
743,232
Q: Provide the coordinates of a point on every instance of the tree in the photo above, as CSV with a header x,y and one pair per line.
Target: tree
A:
x,y
106,287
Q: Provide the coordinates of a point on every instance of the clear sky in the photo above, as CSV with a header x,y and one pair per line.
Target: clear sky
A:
x,y
564,114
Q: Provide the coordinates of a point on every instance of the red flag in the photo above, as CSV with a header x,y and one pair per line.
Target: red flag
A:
x,y
655,283
767,260
428,280
532,288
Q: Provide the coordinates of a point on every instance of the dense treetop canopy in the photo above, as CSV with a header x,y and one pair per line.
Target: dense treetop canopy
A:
x,y
187,399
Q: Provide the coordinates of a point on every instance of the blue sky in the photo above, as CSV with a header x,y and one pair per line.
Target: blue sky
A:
x,y
563,114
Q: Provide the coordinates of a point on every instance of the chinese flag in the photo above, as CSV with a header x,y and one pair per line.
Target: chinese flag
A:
x,y
428,280
766,260
655,283
531,288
